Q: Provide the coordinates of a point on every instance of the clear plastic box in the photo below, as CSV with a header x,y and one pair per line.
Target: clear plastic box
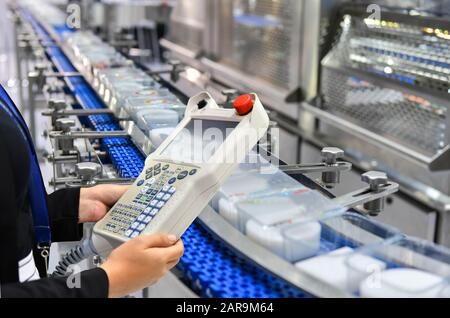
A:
x,y
412,268
85,38
134,105
120,96
119,86
263,202
340,237
255,175
155,118
104,76
92,53
254,170
115,79
102,58
268,218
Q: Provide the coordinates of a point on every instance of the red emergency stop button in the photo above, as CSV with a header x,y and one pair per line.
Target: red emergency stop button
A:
x,y
244,104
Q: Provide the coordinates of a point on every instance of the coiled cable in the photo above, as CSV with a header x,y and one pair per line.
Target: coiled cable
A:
x,y
74,256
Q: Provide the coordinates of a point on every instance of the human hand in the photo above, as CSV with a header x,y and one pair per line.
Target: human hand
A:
x,y
95,202
141,262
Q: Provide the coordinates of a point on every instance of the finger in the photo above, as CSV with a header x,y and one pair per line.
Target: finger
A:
x,y
91,211
172,264
173,252
157,240
119,190
105,193
110,193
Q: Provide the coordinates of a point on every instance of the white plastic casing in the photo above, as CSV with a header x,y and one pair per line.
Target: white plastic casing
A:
x,y
194,192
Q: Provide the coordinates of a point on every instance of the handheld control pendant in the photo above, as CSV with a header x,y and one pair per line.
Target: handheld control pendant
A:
x,y
185,172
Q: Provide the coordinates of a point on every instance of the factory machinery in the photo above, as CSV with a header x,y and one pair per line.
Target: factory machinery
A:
x,y
334,73
271,231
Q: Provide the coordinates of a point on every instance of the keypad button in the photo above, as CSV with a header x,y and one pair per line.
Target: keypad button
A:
x,y
153,203
128,233
151,181
172,190
134,225
154,192
148,210
166,188
141,217
149,170
140,182
160,195
192,172
154,212
182,175
157,166
160,204
165,167
157,172
172,181
166,197
147,219
141,227
134,234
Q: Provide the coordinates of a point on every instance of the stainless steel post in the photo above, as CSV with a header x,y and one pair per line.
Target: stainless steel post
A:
x,y
32,77
18,56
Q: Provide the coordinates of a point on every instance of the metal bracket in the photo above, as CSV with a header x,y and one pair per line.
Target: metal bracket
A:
x,y
372,197
296,96
230,94
176,69
330,168
59,156
441,161
74,182
89,134
62,74
306,168
77,112
89,174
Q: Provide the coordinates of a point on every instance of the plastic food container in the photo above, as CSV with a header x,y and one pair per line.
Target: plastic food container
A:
x,y
340,237
119,86
414,269
254,175
134,105
103,58
104,76
161,94
149,119
245,184
116,80
267,218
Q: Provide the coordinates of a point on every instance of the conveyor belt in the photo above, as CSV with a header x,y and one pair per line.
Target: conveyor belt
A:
x,y
211,268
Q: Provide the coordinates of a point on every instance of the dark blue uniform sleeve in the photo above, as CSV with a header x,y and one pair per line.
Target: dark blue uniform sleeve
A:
x,y
63,215
16,230
89,284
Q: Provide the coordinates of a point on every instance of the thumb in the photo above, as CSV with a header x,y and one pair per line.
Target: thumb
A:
x,y
158,240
